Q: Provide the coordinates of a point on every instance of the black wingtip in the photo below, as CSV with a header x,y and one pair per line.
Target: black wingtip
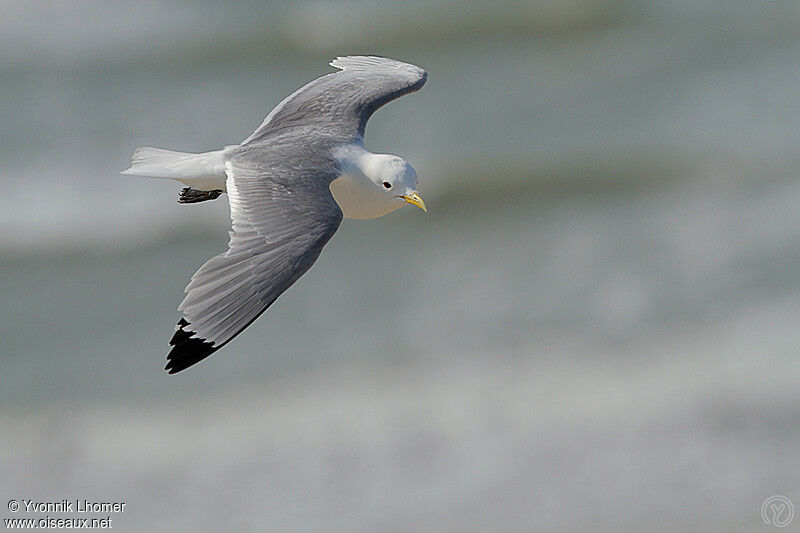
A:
x,y
186,349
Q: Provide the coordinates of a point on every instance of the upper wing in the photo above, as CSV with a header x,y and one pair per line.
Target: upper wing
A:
x,y
282,217
341,102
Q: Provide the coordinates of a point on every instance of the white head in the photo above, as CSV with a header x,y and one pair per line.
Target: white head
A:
x,y
390,183
396,177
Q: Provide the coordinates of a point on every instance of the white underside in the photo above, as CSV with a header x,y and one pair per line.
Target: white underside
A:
x,y
205,171
360,199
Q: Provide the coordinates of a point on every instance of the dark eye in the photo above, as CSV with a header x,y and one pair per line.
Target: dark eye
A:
x,y
387,184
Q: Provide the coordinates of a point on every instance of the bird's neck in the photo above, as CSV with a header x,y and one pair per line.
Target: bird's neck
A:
x,y
353,158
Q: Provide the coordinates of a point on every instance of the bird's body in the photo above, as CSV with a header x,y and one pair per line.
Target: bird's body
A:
x,y
289,184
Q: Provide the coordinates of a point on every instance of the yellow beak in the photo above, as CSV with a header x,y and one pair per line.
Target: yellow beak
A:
x,y
415,199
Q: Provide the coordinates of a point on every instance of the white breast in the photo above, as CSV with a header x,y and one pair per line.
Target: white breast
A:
x,y
359,198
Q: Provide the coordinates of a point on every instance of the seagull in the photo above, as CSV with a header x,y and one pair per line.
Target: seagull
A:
x,y
289,185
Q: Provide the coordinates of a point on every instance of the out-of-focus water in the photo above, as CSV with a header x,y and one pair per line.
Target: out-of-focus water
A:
x,y
594,327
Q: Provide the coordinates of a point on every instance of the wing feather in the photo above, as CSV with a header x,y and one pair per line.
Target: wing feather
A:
x,y
341,103
282,216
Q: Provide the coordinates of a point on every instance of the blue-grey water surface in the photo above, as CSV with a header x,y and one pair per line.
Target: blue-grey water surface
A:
x,y
594,328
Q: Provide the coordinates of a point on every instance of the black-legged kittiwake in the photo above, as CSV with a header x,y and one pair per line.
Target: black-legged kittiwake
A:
x,y
289,185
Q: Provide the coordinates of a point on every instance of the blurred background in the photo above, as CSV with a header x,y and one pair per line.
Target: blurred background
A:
x,y
594,328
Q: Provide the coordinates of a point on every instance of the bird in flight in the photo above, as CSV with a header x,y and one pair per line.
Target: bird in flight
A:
x,y
289,185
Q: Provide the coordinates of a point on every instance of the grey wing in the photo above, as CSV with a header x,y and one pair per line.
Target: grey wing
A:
x,y
281,220
340,103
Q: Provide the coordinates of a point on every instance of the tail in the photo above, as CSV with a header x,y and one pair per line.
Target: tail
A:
x,y
204,172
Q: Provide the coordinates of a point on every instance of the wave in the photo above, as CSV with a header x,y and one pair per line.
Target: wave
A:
x,y
506,118
104,221
51,32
